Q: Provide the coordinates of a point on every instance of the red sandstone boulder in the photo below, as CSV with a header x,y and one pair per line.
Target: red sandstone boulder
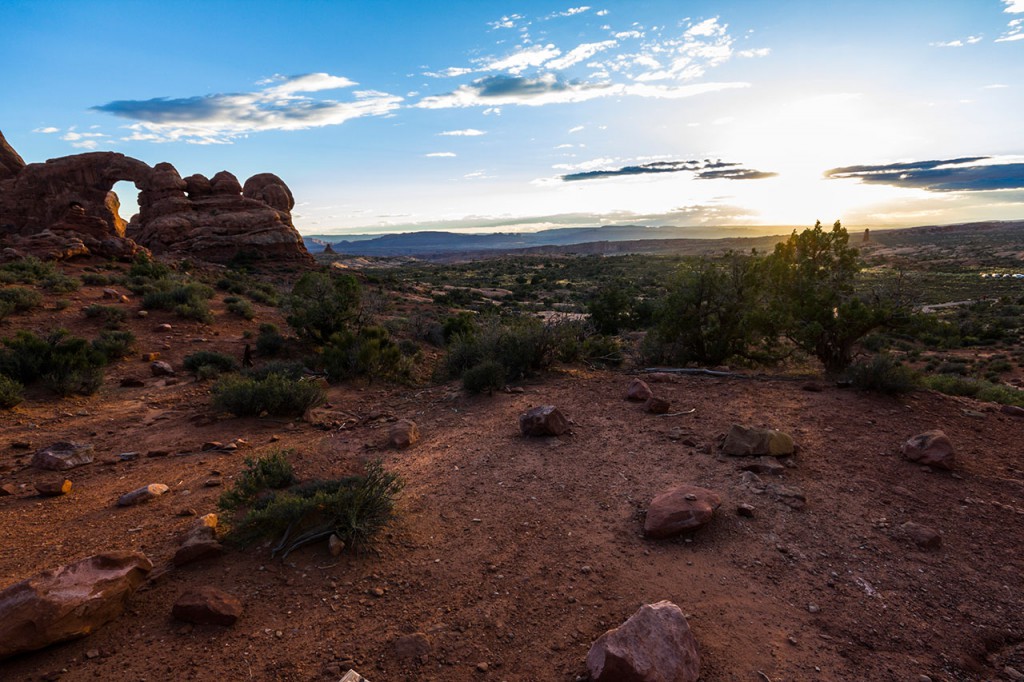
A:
x,y
68,602
931,448
545,420
638,391
207,606
62,456
680,510
403,433
654,645
745,441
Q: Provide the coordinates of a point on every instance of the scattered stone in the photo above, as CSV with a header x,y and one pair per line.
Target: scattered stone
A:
x,y
813,608
657,406
54,488
158,453
199,543
21,445
352,676
679,510
1013,674
1012,410
143,494
660,378
922,536
403,434
743,441
159,368
163,328
764,465
745,510
378,591
211,445
68,602
150,357
638,391
752,481
132,382
142,313
544,420
335,545
414,647
793,498
482,667
112,294
8,489
931,448
207,606
62,456
654,645
128,456
212,483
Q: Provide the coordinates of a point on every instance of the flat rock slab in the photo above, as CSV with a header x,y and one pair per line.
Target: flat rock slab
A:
x,y
207,606
745,441
54,488
143,494
68,602
654,645
764,465
931,448
680,510
545,420
62,456
199,543
922,536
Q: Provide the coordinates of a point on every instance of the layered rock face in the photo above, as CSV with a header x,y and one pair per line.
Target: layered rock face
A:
x,y
64,208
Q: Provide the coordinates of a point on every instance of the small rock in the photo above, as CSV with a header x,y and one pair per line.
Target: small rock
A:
x,y
212,483
8,489
352,676
638,391
1012,410
743,441
657,406
661,378
199,543
681,509
1013,674
150,357
813,608
654,645
207,606
931,448
378,592
92,653
335,545
764,465
211,445
745,510
545,420
793,498
482,667
62,456
158,453
143,313
143,494
54,488
128,456
162,328
922,536
132,382
159,368
403,434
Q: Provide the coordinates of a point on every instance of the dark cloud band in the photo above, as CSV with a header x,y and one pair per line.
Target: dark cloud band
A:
x,y
963,174
703,170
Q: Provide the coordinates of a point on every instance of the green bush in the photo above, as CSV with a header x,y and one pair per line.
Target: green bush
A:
x,y
463,325
10,392
110,315
114,344
188,300
145,268
356,509
240,307
272,471
269,342
486,377
95,279
370,353
291,369
883,374
522,344
18,300
276,395
975,388
31,270
603,351
322,305
220,362
72,365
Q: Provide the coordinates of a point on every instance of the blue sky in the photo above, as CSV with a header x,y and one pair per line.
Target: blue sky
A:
x,y
393,116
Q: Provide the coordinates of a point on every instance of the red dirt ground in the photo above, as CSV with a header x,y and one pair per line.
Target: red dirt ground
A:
x,y
517,552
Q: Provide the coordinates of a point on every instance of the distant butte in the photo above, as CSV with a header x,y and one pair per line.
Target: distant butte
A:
x,y
65,208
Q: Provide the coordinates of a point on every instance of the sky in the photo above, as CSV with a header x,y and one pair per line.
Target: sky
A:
x,y
519,115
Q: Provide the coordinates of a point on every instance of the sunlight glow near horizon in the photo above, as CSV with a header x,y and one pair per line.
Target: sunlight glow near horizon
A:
x,y
392,116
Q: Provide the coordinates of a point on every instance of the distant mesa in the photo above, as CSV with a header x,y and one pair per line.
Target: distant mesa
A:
x,y
65,208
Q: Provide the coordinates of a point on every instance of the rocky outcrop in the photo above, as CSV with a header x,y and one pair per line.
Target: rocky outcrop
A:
x,y
65,208
68,602
654,645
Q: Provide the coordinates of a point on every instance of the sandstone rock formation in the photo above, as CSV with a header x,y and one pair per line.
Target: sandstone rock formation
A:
x,y
679,510
638,391
545,420
932,448
403,434
68,602
65,208
654,645
207,606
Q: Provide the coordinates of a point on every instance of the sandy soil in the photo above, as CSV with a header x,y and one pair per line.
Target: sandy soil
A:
x,y
517,553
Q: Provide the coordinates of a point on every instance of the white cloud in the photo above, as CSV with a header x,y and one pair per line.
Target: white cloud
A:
x,y
450,72
1010,37
580,53
575,129
969,40
506,22
518,62
49,130
756,52
995,86
440,155
466,132
601,12
222,118
1014,6
574,10
629,34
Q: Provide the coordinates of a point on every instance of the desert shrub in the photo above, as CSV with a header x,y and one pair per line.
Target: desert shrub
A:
x,y
356,509
10,392
602,350
95,279
462,324
269,342
291,369
110,315
23,357
31,270
321,305
145,268
883,374
486,377
188,300
114,344
276,395
240,307
265,293
272,471
979,389
18,300
72,365
522,344
370,353
219,362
